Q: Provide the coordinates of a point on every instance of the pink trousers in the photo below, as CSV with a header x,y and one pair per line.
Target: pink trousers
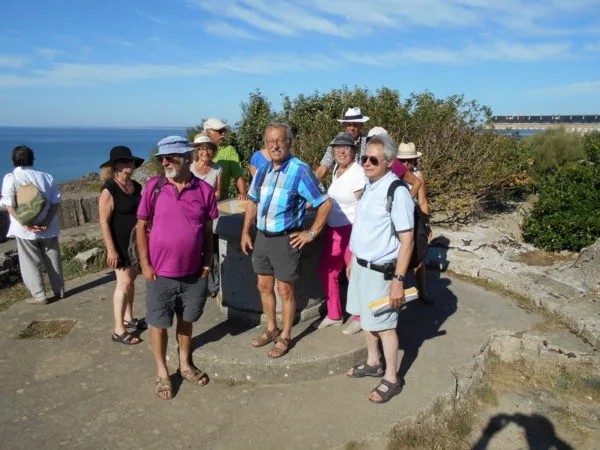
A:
x,y
334,257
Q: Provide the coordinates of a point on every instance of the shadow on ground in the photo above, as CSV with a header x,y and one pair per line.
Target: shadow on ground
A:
x,y
538,430
109,277
418,322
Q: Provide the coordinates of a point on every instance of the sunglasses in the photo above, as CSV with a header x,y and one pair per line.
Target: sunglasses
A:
x,y
171,158
406,160
364,158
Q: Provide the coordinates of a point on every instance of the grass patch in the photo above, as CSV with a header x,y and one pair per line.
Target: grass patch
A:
x,y
447,431
487,395
47,329
579,380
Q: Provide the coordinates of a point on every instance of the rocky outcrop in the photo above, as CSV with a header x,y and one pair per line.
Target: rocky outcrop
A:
x,y
491,250
588,265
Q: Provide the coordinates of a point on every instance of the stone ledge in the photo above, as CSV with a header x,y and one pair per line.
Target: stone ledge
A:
x,y
563,288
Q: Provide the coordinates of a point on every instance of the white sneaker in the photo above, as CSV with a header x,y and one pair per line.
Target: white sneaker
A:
x,y
327,322
352,327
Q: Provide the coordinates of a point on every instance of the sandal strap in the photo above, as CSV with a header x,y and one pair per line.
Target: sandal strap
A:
x,y
193,375
163,385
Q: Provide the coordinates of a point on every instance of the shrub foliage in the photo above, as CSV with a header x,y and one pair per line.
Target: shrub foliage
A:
x,y
464,162
567,214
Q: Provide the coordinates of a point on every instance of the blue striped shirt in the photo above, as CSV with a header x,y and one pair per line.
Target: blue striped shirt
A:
x,y
281,195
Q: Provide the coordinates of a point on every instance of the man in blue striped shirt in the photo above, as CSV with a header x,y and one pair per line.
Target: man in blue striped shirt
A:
x,y
279,193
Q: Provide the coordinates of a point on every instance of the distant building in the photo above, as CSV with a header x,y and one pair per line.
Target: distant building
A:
x,y
570,119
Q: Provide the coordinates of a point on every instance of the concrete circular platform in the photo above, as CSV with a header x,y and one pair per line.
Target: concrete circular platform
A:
x,y
223,349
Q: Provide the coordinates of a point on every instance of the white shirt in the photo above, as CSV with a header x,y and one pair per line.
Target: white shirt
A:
x,y
341,192
372,238
45,184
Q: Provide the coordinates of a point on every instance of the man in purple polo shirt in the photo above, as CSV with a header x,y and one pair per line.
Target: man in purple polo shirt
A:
x,y
175,256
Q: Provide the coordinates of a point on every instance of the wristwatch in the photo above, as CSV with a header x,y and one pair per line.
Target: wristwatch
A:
x,y
398,277
312,234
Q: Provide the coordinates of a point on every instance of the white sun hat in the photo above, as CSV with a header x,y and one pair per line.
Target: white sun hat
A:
x,y
353,115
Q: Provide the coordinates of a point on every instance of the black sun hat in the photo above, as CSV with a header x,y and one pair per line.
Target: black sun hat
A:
x,y
120,152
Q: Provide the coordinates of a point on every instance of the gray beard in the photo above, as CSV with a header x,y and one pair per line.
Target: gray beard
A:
x,y
172,173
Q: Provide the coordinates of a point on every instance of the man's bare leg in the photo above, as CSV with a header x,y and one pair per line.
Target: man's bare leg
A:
x,y
285,289
266,289
184,339
158,341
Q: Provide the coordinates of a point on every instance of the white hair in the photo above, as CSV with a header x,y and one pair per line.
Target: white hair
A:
x,y
389,147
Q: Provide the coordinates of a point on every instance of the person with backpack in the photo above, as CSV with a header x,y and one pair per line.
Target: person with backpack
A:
x,y
174,235
32,198
409,157
117,207
381,243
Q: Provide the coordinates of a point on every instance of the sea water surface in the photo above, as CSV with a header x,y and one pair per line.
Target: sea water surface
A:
x,y
69,153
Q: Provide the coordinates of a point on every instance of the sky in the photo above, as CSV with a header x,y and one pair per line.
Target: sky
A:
x,y
146,63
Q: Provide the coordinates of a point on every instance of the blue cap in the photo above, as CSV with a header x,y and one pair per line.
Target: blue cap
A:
x,y
173,144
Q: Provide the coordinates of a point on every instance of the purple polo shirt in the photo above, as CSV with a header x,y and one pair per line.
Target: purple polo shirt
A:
x,y
177,234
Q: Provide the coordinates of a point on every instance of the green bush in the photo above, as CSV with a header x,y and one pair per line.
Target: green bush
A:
x,y
567,214
465,164
591,146
550,150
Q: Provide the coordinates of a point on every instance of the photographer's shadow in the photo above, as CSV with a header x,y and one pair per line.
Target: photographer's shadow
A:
x,y
418,322
538,429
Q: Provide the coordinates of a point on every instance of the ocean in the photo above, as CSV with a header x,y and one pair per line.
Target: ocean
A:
x,y
69,153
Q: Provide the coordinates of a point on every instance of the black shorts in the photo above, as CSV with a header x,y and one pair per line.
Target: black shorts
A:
x,y
275,256
184,296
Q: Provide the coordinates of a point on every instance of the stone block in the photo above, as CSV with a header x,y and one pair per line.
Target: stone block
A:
x,y
85,259
68,214
90,209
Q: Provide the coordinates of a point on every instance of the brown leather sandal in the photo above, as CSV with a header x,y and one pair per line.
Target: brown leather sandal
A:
x,y
265,337
278,352
194,375
164,385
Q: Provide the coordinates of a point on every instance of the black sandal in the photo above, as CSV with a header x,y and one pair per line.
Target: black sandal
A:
x,y
365,370
126,338
138,324
393,390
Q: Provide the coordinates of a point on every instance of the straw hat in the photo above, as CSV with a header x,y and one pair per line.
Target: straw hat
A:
x,y
408,151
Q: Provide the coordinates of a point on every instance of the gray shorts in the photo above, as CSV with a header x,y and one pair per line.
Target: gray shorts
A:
x,y
275,256
184,296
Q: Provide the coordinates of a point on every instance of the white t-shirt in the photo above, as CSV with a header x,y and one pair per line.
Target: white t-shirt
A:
x,y
45,184
341,192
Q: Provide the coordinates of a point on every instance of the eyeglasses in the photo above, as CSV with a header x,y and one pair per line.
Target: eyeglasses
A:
x,y
173,158
364,158
204,147
342,148
406,160
276,141
221,131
